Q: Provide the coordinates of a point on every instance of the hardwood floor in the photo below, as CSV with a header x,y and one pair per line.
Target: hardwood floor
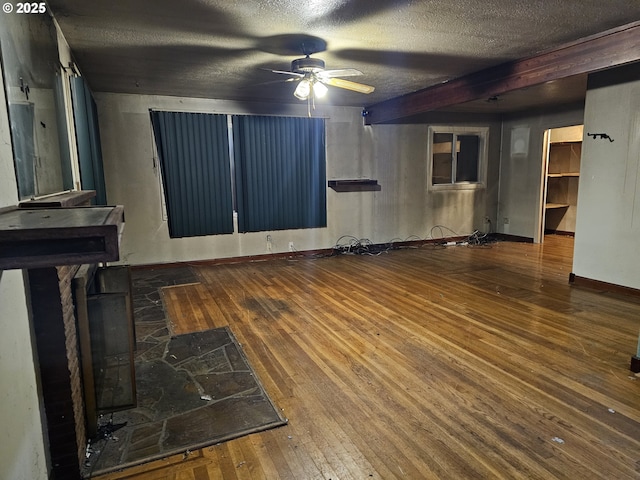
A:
x,y
423,363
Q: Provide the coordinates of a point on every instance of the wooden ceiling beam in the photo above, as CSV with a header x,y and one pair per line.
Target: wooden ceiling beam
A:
x,y
605,50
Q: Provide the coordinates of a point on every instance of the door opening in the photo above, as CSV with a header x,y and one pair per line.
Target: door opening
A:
x,y
562,150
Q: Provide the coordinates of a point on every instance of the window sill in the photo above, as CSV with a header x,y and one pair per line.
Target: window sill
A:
x,y
74,198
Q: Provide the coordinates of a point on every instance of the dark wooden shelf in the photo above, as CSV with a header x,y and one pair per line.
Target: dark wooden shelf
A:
x,y
74,198
47,237
356,185
563,174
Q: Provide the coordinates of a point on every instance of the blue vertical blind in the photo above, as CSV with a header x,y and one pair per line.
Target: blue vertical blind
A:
x,y
196,175
280,172
85,116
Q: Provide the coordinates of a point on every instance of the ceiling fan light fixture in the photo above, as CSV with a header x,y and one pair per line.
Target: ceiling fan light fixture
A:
x,y
303,90
319,89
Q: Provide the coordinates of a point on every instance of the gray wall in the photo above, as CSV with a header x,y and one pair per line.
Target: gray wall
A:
x,y
395,155
521,173
608,222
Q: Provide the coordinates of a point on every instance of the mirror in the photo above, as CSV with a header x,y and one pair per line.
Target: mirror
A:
x,y
34,91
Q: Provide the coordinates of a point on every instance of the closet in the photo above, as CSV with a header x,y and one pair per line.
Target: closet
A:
x,y
562,172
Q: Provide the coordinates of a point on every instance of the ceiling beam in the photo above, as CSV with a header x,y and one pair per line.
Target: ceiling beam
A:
x,y
605,50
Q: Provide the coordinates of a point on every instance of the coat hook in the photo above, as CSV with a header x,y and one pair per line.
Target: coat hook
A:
x,y
24,88
600,135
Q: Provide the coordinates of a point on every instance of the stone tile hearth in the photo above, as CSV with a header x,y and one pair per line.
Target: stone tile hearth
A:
x,y
193,390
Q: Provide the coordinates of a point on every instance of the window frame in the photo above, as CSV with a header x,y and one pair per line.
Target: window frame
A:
x,y
483,154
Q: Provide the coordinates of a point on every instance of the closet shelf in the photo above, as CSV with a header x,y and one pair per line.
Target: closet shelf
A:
x,y
563,174
549,206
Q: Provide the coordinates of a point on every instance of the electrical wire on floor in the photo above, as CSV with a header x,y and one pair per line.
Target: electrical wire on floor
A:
x,y
439,236
479,239
475,239
442,237
359,246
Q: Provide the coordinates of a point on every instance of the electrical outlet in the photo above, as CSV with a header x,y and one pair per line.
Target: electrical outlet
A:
x,y
291,248
506,220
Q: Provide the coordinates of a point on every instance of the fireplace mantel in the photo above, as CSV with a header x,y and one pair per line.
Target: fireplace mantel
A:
x,y
47,237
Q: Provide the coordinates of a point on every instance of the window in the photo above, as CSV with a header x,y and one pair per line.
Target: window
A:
x,y
458,157
271,170
36,102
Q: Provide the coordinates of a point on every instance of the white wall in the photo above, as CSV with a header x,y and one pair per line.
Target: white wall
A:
x,y
395,155
22,455
521,173
608,222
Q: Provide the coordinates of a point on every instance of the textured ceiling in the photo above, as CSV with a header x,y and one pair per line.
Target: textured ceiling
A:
x,y
222,48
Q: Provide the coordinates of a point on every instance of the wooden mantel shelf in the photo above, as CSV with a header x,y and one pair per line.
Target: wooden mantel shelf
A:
x,y
73,198
47,237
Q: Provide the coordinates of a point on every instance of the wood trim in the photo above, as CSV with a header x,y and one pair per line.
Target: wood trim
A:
x,y
229,260
65,199
605,50
505,237
564,233
601,286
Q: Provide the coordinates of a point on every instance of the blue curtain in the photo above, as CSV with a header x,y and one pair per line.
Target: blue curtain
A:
x,y
85,116
280,172
196,174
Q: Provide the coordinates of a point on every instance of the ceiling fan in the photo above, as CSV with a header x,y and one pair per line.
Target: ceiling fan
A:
x,y
313,78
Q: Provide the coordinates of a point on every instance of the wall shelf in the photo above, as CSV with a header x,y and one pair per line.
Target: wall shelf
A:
x,y
356,185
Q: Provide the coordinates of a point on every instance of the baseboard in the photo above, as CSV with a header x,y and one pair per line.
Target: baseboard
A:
x,y
560,232
505,237
578,281
299,254
458,239
228,260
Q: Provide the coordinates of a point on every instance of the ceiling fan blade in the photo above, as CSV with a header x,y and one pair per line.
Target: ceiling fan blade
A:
x,y
285,72
272,82
340,72
349,85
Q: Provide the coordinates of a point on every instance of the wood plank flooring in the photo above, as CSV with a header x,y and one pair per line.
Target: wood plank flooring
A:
x,y
422,363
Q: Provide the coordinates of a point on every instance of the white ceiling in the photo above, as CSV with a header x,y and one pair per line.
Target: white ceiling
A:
x,y
221,48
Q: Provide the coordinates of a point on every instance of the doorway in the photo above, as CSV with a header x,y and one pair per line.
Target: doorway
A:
x,y
562,150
